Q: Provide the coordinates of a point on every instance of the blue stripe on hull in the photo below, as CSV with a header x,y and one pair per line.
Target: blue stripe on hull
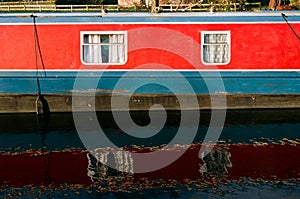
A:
x,y
152,82
149,18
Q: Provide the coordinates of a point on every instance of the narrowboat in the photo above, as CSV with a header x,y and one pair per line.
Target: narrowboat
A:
x,y
103,61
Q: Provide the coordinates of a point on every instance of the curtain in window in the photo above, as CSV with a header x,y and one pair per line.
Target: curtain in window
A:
x,y
92,49
102,48
116,49
96,51
215,48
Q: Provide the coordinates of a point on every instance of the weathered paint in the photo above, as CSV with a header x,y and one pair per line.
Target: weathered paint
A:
x,y
140,102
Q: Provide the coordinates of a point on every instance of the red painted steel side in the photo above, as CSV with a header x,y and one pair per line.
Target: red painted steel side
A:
x,y
253,46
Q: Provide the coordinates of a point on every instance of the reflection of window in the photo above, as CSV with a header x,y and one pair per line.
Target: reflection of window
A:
x,y
215,47
100,159
104,47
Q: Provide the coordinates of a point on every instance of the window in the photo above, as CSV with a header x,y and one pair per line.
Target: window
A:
x,y
104,47
215,47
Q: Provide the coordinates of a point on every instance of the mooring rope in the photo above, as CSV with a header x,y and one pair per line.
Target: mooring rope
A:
x,y
42,106
36,55
292,29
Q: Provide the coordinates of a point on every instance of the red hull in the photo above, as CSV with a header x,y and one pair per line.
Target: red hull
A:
x,y
253,46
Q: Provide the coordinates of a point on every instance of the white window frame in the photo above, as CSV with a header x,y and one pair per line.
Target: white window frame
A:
x,y
228,43
82,33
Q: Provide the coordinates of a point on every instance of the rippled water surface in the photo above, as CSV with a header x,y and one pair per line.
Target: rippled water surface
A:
x,y
256,156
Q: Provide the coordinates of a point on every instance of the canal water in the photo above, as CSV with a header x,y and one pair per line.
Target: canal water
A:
x,y
256,156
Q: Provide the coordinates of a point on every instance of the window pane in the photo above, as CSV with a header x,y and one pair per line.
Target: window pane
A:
x,y
215,47
103,48
105,53
86,54
104,39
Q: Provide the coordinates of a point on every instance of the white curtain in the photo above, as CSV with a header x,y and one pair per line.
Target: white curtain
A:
x,y
92,49
96,52
116,48
215,48
99,48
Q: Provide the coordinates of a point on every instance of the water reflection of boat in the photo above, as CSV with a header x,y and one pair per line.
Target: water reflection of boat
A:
x,y
149,52
267,162
35,153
